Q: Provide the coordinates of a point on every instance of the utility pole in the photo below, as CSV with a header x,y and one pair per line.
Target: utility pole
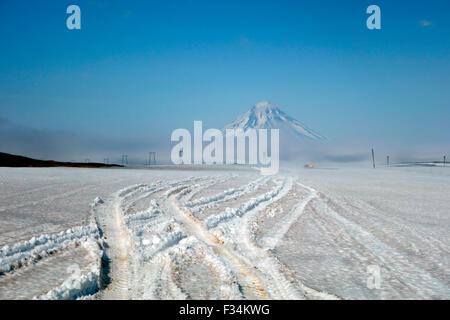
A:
x,y
387,160
124,159
444,160
151,158
373,158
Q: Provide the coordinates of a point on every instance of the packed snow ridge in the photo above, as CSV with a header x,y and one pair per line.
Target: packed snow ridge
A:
x,y
80,285
30,251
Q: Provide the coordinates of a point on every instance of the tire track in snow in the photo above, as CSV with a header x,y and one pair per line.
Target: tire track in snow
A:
x,y
279,230
146,190
273,280
110,220
248,280
157,239
196,205
391,260
194,190
413,232
263,200
273,271
26,283
260,275
258,278
119,246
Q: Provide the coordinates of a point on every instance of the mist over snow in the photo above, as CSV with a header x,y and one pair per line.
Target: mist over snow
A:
x,y
62,145
298,142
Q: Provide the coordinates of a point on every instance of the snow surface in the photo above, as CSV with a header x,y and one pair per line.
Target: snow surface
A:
x,y
187,234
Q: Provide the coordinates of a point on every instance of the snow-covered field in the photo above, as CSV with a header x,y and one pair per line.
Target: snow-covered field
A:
x,y
70,233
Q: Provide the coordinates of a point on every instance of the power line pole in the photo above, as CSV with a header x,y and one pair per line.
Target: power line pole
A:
x,y
151,158
444,160
373,158
124,159
387,160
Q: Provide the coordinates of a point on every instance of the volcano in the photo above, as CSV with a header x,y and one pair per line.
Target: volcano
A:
x,y
265,115
296,139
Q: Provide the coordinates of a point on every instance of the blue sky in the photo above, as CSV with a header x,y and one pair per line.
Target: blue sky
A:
x,y
139,69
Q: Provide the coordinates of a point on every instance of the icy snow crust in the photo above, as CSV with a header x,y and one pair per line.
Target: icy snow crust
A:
x,y
83,285
30,251
303,234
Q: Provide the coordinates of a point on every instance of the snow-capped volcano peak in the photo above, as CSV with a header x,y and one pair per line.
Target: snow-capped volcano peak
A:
x,y
262,110
264,105
265,115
